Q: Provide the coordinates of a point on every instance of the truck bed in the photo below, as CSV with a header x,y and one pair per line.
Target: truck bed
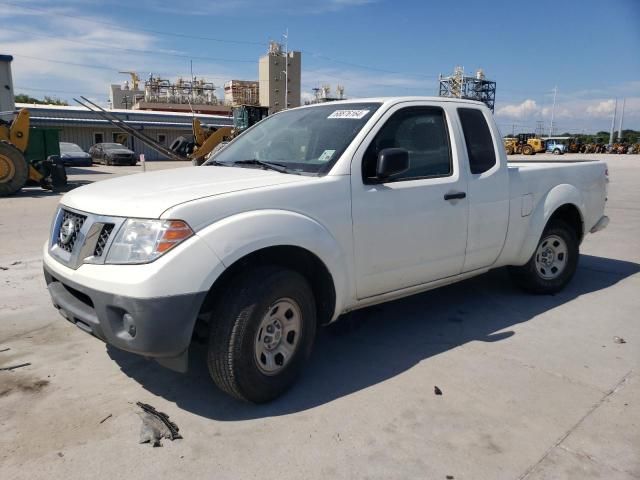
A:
x,y
538,178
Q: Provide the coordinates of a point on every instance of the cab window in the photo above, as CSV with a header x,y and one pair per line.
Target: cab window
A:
x,y
422,131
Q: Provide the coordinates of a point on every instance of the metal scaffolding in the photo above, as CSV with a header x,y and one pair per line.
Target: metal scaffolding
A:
x,y
471,88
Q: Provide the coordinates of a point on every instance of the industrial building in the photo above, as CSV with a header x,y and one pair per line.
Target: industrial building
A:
x,y
279,74
160,94
85,128
241,92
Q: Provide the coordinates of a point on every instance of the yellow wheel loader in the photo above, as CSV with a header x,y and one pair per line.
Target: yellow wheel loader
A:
x,y
15,170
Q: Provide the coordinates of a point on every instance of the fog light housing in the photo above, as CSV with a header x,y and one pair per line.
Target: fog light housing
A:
x,y
129,327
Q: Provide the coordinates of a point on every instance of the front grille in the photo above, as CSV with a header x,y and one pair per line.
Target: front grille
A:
x,y
75,221
102,239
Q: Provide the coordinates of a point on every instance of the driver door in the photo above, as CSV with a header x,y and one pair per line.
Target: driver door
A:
x,y
408,230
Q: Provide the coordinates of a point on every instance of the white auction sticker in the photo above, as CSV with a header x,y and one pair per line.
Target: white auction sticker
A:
x,y
326,155
357,114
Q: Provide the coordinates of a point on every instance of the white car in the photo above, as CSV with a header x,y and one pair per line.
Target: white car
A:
x,y
311,213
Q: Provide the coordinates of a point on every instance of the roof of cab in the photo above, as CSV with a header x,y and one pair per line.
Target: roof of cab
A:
x,y
394,100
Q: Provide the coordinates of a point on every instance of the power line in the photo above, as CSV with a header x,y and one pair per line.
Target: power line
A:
x,y
98,67
198,37
124,29
129,50
34,89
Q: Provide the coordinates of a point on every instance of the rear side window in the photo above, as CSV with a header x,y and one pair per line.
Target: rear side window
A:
x,y
482,155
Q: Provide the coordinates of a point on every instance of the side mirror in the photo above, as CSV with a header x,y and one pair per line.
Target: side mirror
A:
x,y
391,161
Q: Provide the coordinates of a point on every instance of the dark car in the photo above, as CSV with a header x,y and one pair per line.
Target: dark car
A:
x,y
73,156
112,154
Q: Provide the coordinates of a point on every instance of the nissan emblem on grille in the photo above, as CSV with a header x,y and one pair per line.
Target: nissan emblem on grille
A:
x,y
67,230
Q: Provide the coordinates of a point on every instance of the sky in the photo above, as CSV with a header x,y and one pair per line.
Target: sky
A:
x,y
589,50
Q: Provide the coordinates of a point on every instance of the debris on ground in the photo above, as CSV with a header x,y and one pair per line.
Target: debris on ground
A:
x,y
450,477
3,268
437,391
619,340
17,262
156,426
13,367
106,418
5,350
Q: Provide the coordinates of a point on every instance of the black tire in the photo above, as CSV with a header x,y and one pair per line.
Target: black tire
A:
x,y
14,169
527,150
530,279
235,324
556,151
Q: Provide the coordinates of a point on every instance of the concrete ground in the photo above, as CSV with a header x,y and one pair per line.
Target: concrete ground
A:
x,y
533,387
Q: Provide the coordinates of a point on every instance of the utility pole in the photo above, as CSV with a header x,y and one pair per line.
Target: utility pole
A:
x,y
613,123
620,124
286,69
553,110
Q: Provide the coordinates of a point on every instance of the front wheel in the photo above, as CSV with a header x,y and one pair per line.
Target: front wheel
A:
x,y
527,150
557,151
553,264
261,333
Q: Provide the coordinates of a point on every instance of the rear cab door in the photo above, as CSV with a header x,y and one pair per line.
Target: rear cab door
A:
x,y
487,185
408,231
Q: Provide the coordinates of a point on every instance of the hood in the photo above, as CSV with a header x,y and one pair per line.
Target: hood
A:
x,y
148,195
118,151
75,155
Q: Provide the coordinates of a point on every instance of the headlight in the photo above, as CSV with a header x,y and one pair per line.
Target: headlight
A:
x,y
142,241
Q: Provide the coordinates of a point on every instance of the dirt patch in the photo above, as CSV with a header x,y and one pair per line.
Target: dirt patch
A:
x,y
10,384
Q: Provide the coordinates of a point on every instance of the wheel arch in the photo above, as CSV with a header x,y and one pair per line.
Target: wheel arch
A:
x,y
563,202
284,238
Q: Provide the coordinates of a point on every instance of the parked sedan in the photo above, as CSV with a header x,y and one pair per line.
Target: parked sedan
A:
x,y
73,156
112,154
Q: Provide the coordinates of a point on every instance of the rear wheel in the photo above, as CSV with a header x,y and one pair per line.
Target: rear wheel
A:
x,y
14,170
553,264
509,150
261,333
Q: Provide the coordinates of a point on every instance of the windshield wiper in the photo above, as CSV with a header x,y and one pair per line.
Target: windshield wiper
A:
x,y
278,167
215,163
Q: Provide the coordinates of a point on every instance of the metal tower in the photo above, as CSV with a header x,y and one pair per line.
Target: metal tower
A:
x,y
471,88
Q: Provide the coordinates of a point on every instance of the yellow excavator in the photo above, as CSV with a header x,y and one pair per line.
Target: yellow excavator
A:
x,y
15,170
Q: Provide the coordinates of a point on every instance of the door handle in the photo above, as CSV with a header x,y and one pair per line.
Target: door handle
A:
x,y
454,195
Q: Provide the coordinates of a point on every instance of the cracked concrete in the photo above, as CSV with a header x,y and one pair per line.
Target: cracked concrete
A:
x,y
533,387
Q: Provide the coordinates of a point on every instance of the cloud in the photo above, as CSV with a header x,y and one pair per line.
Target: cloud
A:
x,y
64,58
251,7
360,83
602,109
525,109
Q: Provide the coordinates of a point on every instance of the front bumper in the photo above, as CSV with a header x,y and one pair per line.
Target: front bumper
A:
x,y
159,327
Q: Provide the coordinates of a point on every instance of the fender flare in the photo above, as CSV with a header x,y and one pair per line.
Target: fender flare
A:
x,y
558,196
239,235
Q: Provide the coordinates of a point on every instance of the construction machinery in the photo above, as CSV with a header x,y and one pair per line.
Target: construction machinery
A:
x,y
525,144
26,154
25,158
203,141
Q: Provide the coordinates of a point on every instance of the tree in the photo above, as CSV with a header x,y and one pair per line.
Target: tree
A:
x,y
47,100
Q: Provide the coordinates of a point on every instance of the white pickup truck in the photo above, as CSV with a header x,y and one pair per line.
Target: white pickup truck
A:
x,y
311,213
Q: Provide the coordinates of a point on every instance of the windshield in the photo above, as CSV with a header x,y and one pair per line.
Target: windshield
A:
x,y
112,146
70,148
304,140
